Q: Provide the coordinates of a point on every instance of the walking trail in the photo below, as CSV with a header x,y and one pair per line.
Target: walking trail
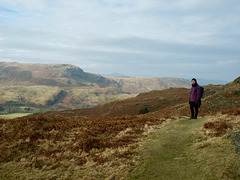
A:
x,y
165,153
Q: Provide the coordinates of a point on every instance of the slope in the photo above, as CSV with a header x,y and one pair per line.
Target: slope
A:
x,y
136,85
68,145
150,102
172,101
165,153
62,75
40,87
218,98
177,152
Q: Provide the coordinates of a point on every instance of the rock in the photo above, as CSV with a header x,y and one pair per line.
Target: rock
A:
x,y
236,137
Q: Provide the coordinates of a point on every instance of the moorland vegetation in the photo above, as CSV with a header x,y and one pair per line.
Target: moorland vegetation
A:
x,y
104,141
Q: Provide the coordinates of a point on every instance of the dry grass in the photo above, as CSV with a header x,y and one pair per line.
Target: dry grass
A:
x,y
153,101
221,125
72,147
212,149
53,143
68,145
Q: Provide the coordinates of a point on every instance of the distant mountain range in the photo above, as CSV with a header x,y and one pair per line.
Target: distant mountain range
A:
x,y
40,87
115,75
201,81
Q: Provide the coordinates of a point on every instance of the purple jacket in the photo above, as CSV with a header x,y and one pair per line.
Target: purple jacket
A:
x,y
195,93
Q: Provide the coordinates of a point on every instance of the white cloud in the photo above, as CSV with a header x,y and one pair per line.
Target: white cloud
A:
x,y
123,36
229,63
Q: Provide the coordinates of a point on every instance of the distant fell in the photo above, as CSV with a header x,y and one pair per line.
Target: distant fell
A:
x,y
136,85
26,87
115,75
63,75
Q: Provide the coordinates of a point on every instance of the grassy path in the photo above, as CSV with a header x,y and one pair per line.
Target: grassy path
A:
x,y
165,153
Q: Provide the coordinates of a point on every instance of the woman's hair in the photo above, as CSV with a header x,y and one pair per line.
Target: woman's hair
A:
x,y
194,79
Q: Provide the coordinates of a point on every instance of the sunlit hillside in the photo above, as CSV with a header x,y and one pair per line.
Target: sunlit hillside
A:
x,y
107,141
30,88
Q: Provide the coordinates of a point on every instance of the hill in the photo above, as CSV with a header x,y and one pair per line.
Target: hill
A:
x,y
104,141
219,98
142,103
174,101
40,87
62,75
136,85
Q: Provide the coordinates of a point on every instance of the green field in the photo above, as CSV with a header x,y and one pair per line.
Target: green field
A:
x,y
13,115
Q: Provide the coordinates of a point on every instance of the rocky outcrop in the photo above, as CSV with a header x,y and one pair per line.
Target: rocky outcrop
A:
x,y
63,75
236,137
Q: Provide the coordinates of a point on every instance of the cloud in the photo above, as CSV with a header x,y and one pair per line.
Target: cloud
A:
x,y
138,37
229,62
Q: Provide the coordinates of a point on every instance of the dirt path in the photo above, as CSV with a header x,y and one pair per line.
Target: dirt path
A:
x,y
165,154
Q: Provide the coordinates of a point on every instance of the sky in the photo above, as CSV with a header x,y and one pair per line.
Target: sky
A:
x,y
151,38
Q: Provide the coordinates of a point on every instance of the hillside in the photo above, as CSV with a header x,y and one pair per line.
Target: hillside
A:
x,y
136,85
218,98
150,102
62,75
174,101
41,87
106,141
190,149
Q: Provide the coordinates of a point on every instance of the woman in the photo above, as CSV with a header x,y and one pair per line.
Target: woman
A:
x,y
194,99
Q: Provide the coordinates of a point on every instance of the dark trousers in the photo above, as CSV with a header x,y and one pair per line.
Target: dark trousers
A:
x,y
194,107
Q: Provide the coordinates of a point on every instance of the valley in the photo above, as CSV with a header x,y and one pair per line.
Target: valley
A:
x,y
113,140
32,88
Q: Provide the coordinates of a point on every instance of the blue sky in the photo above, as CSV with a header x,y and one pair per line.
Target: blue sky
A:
x,y
156,38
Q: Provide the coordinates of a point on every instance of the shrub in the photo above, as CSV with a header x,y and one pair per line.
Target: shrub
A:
x,y
144,111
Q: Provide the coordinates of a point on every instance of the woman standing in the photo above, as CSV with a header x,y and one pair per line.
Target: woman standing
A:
x,y
194,99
